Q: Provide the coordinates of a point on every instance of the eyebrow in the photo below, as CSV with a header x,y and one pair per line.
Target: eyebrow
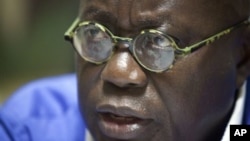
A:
x,y
97,13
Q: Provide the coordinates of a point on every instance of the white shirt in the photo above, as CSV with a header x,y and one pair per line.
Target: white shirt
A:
x,y
237,115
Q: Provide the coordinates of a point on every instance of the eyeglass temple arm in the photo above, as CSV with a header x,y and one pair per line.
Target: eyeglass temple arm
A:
x,y
213,38
69,33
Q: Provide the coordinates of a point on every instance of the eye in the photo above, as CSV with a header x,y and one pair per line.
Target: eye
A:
x,y
161,41
94,33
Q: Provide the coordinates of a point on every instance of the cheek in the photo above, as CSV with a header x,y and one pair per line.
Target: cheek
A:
x,y
199,89
87,75
205,99
89,93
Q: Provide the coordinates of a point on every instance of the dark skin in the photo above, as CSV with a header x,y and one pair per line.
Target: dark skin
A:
x,y
192,101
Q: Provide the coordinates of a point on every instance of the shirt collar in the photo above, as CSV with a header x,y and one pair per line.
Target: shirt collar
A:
x,y
88,136
237,115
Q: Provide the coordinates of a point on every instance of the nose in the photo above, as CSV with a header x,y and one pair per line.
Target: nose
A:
x,y
123,71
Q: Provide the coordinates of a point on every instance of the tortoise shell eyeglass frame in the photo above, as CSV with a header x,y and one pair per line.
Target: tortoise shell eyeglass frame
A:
x,y
179,51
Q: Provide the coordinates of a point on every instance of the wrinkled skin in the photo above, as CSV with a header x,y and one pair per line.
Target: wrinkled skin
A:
x,y
190,102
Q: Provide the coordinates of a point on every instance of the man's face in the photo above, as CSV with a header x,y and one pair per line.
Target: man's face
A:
x,y
192,101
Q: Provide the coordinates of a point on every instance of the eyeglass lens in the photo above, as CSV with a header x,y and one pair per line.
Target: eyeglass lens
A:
x,y
152,50
93,44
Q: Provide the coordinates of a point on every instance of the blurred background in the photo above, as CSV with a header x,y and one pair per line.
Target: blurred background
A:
x,y
31,41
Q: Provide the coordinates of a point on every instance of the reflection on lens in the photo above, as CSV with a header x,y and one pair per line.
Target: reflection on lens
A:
x,y
93,44
154,51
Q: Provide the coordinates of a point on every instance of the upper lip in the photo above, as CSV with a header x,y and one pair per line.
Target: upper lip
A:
x,y
122,111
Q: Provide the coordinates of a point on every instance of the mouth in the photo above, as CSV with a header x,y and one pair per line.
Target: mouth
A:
x,y
122,122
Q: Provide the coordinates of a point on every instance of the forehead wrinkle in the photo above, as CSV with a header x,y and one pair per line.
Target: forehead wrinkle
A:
x,y
97,10
151,16
96,14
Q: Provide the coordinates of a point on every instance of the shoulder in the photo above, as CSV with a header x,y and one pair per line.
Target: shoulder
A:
x,y
51,95
46,108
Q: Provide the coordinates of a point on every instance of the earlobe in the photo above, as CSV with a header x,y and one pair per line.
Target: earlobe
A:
x,y
243,68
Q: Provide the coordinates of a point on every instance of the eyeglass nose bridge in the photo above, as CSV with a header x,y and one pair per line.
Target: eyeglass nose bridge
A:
x,y
123,42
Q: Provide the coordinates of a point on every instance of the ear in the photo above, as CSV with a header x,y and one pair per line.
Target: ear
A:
x,y
243,68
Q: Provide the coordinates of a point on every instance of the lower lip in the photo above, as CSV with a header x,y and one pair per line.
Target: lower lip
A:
x,y
123,130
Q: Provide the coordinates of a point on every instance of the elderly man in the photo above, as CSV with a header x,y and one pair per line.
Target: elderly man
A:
x,y
153,70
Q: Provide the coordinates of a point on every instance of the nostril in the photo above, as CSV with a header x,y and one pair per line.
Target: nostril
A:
x,y
122,81
132,85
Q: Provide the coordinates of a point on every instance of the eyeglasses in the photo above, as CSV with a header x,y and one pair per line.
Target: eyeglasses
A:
x,y
152,49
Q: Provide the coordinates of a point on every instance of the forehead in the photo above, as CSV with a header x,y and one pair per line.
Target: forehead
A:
x,y
204,6
188,13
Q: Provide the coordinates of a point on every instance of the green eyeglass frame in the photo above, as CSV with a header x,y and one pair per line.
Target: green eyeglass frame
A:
x,y
69,34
